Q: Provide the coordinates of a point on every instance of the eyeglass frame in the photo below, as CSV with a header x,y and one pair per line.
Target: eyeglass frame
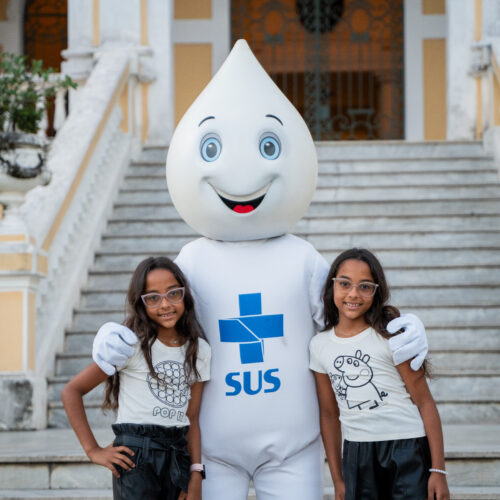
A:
x,y
356,285
164,296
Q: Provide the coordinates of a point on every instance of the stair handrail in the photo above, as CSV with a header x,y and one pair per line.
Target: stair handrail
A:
x,y
86,160
486,66
492,136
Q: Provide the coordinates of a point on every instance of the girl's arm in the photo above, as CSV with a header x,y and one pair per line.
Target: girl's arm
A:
x,y
72,398
194,442
330,431
416,384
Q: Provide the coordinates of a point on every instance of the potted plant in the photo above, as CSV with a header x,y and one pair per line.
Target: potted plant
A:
x,y
25,90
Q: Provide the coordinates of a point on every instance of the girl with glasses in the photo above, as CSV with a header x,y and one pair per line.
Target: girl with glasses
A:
x,y
157,393
393,440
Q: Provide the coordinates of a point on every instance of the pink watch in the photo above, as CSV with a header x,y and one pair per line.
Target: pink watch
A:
x,y
198,468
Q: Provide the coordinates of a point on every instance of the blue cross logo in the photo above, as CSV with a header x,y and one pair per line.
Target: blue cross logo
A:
x,y
251,328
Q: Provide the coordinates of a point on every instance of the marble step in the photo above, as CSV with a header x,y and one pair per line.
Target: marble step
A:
x,y
453,340
57,494
397,277
134,180
388,190
422,192
457,493
356,207
376,241
53,458
452,412
479,365
439,294
390,166
446,239
381,150
428,259
443,316
330,225
159,194
386,150
362,166
450,382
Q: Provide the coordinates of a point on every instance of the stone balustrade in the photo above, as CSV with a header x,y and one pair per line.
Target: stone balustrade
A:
x,y
44,261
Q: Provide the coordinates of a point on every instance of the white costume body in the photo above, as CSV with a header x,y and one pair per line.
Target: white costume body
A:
x,y
241,427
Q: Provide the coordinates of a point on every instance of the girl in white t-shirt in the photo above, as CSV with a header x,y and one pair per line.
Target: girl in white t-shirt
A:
x,y
393,440
157,450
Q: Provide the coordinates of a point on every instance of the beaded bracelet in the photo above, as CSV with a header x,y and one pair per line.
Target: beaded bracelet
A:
x,y
439,471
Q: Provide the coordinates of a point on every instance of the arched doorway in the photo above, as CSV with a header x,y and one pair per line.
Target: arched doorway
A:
x,y
45,35
46,31
339,61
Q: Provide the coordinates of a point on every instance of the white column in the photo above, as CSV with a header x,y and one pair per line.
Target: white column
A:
x,y
461,87
11,30
161,95
120,22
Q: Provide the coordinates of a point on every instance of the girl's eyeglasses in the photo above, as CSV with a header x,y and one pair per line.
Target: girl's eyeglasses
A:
x,y
154,300
365,288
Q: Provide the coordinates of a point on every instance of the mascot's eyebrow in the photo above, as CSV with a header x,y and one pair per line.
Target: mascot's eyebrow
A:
x,y
205,119
272,116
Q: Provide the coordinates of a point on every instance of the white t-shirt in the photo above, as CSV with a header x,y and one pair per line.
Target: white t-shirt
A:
x,y
143,400
372,397
259,303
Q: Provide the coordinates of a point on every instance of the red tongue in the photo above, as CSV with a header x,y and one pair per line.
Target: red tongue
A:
x,y
243,209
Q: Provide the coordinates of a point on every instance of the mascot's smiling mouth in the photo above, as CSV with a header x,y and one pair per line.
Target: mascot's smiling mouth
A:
x,y
242,204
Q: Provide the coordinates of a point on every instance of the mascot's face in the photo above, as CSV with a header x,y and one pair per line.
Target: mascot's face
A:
x,y
242,163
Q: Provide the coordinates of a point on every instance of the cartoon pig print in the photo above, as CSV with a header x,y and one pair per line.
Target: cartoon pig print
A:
x,y
357,377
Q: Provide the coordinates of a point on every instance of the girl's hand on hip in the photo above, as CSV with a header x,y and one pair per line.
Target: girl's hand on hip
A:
x,y
437,487
194,488
339,487
111,456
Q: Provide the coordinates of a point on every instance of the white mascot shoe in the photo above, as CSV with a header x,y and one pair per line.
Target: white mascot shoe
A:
x,y
241,170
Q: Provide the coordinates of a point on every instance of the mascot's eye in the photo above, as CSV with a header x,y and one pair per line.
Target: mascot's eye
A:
x,y
270,147
210,148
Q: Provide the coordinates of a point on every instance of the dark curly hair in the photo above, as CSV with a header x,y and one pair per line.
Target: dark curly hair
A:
x,y
380,312
146,329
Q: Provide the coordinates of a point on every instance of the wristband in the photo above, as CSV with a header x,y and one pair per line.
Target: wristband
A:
x,y
198,468
439,471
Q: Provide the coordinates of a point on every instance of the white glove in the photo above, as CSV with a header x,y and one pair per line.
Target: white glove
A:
x,y
113,346
412,343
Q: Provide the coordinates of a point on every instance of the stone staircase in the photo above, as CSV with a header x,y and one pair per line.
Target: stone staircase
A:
x,y
430,211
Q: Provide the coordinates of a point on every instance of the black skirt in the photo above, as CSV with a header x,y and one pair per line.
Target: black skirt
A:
x,y
386,470
161,462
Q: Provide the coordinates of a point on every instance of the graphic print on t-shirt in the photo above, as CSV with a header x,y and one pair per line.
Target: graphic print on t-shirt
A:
x,y
354,384
173,389
251,328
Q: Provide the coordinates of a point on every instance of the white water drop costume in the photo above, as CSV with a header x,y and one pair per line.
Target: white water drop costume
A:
x,y
241,170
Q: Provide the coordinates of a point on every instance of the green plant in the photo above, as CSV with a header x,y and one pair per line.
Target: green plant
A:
x,y
24,92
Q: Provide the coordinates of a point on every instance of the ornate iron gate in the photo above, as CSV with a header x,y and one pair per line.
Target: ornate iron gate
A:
x,y
339,61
